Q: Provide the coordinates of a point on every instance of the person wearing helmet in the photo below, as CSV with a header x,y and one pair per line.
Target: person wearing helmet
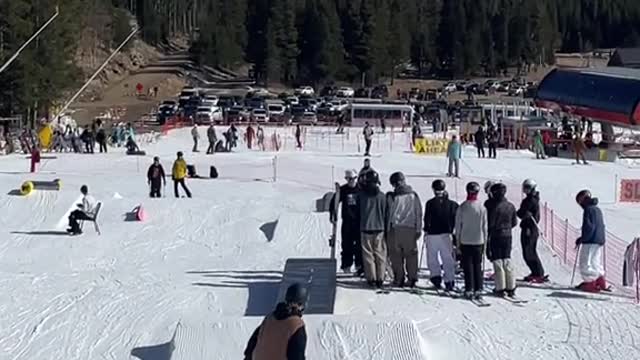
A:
x,y
282,334
373,227
404,230
501,219
179,174
529,214
439,222
84,212
155,177
471,236
591,243
350,229
454,154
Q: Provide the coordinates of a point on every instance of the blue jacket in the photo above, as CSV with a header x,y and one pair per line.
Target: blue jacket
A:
x,y
454,150
593,230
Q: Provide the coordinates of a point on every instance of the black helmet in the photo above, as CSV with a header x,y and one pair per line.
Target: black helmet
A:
x,y
179,154
583,196
473,188
84,189
396,178
155,158
371,178
498,190
296,294
438,185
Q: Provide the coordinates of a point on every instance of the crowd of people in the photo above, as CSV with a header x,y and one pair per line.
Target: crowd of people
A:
x,y
379,228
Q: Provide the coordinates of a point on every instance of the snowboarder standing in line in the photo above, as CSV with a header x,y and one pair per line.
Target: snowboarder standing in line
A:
x,y
250,135
365,169
471,236
298,137
538,145
179,174
84,212
439,223
213,139
492,138
260,136
196,136
368,137
501,219
350,229
101,137
155,177
479,138
282,334
454,153
591,242
529,214
404,229
373,221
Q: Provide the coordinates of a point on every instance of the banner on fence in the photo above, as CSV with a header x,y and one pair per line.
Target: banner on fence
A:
x,y
630,190
430,146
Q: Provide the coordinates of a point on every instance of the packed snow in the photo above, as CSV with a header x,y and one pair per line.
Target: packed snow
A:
x,y
195,278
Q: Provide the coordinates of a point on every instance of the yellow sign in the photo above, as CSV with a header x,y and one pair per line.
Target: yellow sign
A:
x,y
45,136
431,146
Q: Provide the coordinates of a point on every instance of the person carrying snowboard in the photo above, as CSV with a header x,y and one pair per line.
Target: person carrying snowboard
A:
x,y
372,204
213,139
282,334
367,132
501,219
591,244
454,153
471,236
196,136
439,223
84,212
350,229
404,229
155,177
179,174
529,214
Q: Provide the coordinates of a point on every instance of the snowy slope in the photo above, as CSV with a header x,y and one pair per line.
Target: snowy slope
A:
x,y
214,262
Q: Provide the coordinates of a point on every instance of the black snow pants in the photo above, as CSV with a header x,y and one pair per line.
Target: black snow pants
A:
x,y
493,151
367,147
103,146
155,188
529,241
472,258
184,187
212,147
74,217
499,248
351,245
480,150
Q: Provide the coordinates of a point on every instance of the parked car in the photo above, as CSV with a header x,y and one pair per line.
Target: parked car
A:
x,y
292,100
208,114
309,117
236,114
309,103
259,115
361,93
168,105
380,92
212,99
450,88
345,91
328,91
305,90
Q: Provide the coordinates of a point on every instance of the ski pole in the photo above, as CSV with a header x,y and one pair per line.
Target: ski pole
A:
x,y
575,264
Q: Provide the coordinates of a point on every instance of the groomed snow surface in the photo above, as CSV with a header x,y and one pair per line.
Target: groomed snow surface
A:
x,y
194,279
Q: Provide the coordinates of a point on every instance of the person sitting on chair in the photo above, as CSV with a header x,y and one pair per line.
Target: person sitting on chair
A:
x,y
132,147
84,212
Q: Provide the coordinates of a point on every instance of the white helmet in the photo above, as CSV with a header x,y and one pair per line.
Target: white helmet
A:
x,y
528,186
487,186
350,174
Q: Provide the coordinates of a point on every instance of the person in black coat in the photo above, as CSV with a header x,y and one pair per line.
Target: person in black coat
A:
x,y
350,229
501,218
282,334
155,177
479,138
529,214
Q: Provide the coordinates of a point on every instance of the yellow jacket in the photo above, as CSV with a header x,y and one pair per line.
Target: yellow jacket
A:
x,y
179,169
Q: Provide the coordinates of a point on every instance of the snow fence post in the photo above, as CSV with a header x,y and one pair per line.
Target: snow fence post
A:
x,y
546,209
637,271
342,137
333,175
553,231
566,239
329,139
615,190
275,168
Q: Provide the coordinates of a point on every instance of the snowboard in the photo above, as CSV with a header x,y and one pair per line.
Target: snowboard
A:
x,y
334,228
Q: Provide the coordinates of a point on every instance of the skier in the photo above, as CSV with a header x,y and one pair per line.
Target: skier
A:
x,y
155,177
250,135
416,133
260,136
368,137
538,145
529,214
479,138
282,334
591,242
383,126
579,148
213,139
373,220
298,137
350,230
404,229
101,137
492,138
178,174
84,212
439,223
501,219
196,136
454,153
471,236
365,169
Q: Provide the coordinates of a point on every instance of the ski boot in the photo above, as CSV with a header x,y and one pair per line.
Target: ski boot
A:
x,y
511,293
477,295
371,283
399,284
601,283
449,286
588,286
528,278
360,272
379,284
498,293
436,281
468,295
412,283
346,270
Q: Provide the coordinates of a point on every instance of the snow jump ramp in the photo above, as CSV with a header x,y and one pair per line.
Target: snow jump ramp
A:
x,y
329,338
318,275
